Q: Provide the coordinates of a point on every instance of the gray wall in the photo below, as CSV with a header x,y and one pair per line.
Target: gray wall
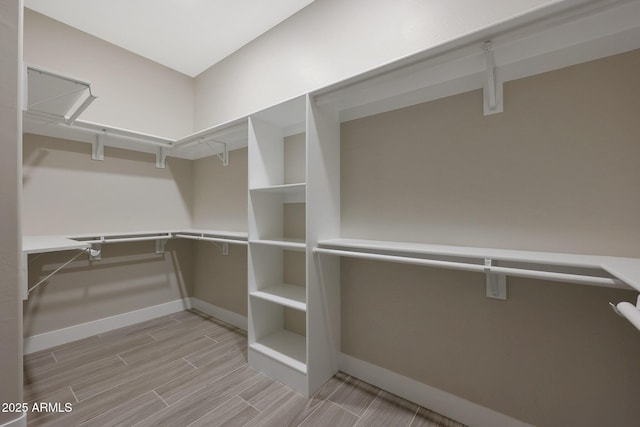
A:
x,y
10,236
555,172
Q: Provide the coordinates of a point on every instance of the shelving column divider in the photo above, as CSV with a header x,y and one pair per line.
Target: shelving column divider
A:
x,y
323,222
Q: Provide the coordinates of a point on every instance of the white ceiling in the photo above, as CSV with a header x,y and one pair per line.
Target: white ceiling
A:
x,y
186,35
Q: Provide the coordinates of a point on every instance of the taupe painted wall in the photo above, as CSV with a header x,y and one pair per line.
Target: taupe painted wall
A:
x,y
130,276
220,203
133,92
331,40
10,236
220,192
556,172
65,192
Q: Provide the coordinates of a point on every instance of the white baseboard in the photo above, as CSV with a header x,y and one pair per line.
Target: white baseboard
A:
x,y
84,330
444,403
18,422
235,319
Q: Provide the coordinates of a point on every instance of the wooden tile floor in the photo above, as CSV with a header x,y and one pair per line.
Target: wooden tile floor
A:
x,y
188,369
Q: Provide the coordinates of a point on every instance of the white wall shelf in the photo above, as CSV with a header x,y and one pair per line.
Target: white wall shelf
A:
x,y
91,244
584,269
285,347
292,296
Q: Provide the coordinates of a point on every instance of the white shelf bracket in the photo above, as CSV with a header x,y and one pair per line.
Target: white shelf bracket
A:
x,y
496,284
95,253
493,94
161,157
224,157
160,243
225,249
97,152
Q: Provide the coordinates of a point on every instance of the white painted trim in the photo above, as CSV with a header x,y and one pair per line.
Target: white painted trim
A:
x,y
84,330
18,422
225,315
447,404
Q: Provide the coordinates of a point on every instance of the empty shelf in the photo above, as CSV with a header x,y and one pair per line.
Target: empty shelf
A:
x,y
285,347
40,244
288,295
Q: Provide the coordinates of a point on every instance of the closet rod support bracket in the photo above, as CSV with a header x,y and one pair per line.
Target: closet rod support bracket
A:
x,y
160,243
161,157
225,249
493,87
95,252
496,284
97,152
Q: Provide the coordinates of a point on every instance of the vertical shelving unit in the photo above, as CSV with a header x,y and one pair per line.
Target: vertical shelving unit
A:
x,y
294,201
277,243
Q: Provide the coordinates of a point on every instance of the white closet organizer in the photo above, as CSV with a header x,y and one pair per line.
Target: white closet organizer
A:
x,y
302,361
305,358
91,244
54,101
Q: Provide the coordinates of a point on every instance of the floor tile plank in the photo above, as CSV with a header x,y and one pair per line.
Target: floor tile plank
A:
x,y
191,369
330,414
354,395
388,410
234,413
207,399
128,413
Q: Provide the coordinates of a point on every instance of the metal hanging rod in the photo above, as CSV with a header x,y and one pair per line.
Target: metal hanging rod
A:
x,y
127,239
509,271
211,239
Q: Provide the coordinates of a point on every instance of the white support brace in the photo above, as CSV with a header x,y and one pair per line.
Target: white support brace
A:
x,y
496,283
160,243
225,154
493,97
161,157
97,152
225,248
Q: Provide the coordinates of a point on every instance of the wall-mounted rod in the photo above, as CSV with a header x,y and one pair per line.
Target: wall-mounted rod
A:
x,y
481,268
211,239
126,239
629,312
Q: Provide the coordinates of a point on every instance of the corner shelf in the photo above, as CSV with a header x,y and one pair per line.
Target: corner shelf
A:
x,y
291,296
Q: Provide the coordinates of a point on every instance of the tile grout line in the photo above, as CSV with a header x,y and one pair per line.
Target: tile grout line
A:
x,y
74,395
123,361
371,404
163,401
55,359
414,416
184,358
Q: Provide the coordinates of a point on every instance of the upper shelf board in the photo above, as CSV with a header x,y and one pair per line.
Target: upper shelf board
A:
x,y
55,95
522,47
